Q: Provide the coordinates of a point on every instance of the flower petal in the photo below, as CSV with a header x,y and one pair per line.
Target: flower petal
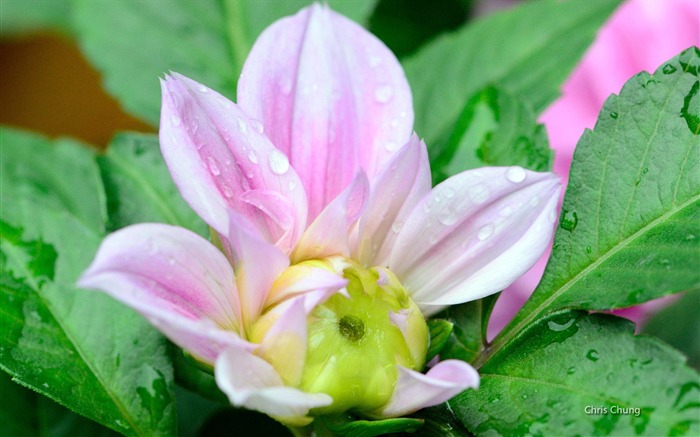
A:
x,y
331,96
415,390
329,233
301,279
216,153
394,193
251,382
177,280
474,234
256,263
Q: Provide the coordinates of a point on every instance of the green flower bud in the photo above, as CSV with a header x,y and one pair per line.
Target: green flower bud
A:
x,y
356,341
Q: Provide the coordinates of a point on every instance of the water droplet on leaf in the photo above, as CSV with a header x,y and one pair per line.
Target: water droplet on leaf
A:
x,y
593,355
568,221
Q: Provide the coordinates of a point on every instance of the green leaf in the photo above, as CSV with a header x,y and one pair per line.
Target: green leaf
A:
x,y
494,129
345,426
440,330
679,325
630,224
529,50
27,414
139,188
440,421
542,382
468,337
207,40
78,347
21,16
59,174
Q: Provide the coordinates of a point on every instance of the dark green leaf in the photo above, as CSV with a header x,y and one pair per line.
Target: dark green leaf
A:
x,y
345,426
28,414
207,40
494,129
440,421
543,381
529,49
440,330
59,174
80,348
679,325
630,224
470,320
139,188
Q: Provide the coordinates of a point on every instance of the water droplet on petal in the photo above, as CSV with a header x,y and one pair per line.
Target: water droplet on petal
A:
x,y
374,61
292,185
507,211
396,227
383,94
478,193
226,191
213,166
534,200
390,146
257,126
485,232
175,120
242,126
279,164
449,192
448,216
250,175
202,89
515,174
253,157
395,123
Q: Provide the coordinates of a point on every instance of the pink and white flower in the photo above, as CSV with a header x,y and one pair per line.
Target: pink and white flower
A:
x,y
330,246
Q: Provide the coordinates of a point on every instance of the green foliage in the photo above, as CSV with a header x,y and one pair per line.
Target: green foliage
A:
x,y
207,40
80,348
139,188
345,425
468,338
529,50
19,17
543,381
494,129
629,228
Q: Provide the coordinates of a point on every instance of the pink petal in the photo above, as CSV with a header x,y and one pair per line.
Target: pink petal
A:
x,y
403,181
256,263
331,96
251,382
329,234
216,154
474,234
415,390
177,280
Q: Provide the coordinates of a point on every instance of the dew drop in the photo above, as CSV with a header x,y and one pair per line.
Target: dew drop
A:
x,y
257,126
506,211
213,166
226,191
253,157
202,89
534,200
242,126
485,232
374,61
279,164
613,115
292,185
589,249
447,216
568,221
571,370
559,327
645,170
390,146
396,227
175,120
593,355
515,174
478,193
449,192
383,94
394,123
403,114
250,175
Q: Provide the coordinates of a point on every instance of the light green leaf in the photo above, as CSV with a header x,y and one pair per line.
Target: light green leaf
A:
x,y
207,40
344,425
543,381
58,174
494,129
529,50
78,347
630,224
139,188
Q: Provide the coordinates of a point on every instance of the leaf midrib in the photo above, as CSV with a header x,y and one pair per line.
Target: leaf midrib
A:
x,y
13,253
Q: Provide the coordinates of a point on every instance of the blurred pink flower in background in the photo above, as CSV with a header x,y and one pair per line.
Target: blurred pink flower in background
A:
x,y
640,36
